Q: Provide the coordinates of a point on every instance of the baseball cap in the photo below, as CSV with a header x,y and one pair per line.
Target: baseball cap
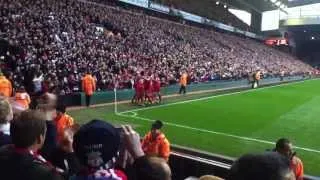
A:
x,y
96,143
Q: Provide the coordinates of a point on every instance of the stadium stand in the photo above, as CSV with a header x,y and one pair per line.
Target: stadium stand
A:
x,y
59,40
208,9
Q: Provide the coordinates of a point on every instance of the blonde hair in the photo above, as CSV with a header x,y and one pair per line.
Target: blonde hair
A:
x,y
5,110
209,177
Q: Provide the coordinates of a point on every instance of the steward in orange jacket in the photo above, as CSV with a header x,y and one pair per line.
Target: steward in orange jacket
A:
x,y
5,86
297,167
183,82
88,86
155,143
285,147
62,121
22,98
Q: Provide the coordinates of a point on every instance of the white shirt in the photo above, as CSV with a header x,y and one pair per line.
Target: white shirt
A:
x,y
5,128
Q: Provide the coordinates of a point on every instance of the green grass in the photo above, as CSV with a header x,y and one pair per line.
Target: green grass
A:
x,y
266,114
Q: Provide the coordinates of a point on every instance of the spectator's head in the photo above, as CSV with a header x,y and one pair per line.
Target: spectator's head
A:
x,y
151,168
156,128
61,109
28,130
6,113
267,166
284,147
47,102
96,144
209,177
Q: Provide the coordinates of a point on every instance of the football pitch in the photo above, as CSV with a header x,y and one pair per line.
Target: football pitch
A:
x,y
232,123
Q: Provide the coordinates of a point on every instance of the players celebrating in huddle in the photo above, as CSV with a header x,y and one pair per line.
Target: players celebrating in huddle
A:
x,y
147,89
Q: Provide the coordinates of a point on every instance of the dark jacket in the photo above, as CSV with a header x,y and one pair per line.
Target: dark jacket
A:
x,y
50,143
4,139
16,165
65,161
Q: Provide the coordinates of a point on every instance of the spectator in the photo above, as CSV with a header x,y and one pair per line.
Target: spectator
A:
x,y
151,168
37,83
6,116
208,177
284,147
20,160
62,120
47,104
64,157
96,145
267,166
155,143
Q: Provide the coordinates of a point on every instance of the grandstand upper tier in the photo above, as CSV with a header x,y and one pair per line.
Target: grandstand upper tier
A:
x,y
61,39
210,9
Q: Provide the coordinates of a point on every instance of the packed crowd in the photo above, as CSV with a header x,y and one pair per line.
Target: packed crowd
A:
x,y
46,143
60,40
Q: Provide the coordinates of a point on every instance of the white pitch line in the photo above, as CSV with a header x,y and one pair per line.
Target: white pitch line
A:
x,y
218,133
214,96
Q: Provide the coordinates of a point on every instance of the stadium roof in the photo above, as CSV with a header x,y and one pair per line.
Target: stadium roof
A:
x,y
248,5
293,3
257,5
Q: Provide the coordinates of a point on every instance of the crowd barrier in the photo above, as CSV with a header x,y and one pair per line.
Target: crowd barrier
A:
x,y
185,162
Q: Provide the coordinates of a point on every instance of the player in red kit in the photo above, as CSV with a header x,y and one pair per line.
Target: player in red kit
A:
x,y
148,89
134,98
139,89
156,88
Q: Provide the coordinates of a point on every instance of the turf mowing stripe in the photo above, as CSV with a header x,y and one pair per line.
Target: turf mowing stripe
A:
x,y
135,116
211,97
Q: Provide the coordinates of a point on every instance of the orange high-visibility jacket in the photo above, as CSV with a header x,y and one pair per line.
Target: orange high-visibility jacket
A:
x,y
23,99
158,147
297,167
5,87
88,84
183,79
62,123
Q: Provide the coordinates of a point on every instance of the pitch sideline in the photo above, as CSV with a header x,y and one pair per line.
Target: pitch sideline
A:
x,y
135,116
212,97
